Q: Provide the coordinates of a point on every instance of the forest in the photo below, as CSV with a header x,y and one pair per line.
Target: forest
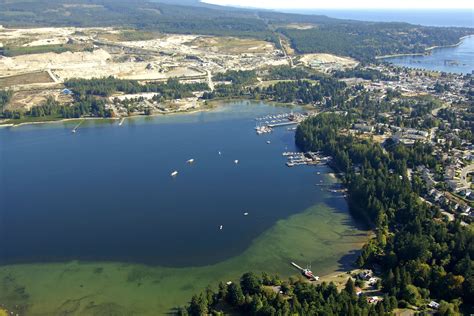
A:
x,y
105,87
286,73
265,295
317,89
51,109
364,41
422,254
89,94
364,73
237,77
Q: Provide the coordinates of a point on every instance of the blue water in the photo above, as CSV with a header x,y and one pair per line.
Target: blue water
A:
x,y
446,17
439,59
105,193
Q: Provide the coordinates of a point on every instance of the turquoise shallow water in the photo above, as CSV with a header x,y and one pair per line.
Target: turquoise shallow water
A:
x,y
93,223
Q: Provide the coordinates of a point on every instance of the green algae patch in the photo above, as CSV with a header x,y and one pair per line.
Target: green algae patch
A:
x,y
321,236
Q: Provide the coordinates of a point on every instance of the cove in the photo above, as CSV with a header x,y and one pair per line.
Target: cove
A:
x,y
458,59
93,222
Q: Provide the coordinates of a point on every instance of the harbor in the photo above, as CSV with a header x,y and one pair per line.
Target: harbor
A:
x,y
266,124
307,158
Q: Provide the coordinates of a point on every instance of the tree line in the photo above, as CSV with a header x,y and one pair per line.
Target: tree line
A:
x,y
364,73
89,97
264,295
322,89
105,87
364,41
420,252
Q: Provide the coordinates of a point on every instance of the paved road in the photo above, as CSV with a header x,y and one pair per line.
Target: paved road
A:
x,y
434,112
209,80
464,172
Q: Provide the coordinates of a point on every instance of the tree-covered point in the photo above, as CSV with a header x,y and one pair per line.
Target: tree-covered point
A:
x,y
237,77
422,255
105,87
364,41
264,295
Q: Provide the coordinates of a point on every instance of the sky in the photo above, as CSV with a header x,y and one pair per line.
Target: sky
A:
x,y
349,4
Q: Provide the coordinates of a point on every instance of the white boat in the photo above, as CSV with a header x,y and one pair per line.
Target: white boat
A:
x,y
269,142
220,153
174,173
236,161
246,213
190,161
220,227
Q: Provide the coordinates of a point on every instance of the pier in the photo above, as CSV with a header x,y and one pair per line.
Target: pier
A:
x,y
74,130
267,123
308,158
283,124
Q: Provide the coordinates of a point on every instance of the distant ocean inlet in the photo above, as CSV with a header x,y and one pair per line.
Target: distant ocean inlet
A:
x,y
457,59
445,17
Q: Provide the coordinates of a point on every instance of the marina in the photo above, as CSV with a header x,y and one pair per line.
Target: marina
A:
x,y
308,158
266,124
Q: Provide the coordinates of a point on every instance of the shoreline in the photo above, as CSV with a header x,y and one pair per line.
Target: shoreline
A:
x,y
172,286
427,51
4,125
211,105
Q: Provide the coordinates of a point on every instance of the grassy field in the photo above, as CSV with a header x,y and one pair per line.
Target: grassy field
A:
x,y
232,45
11,51
321,235
24,79
130,35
